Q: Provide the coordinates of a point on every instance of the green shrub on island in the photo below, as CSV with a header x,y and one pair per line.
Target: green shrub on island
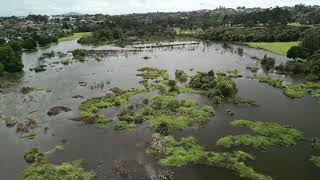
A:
x,y
268,63
79,54
218,88
181,75
267,134
34,155
153,73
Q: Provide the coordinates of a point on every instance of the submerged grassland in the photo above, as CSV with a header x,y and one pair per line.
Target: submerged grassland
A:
x,y
40,168
298,90
266,134
187,152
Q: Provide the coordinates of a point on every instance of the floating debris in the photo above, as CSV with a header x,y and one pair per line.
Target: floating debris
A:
x,y
57,110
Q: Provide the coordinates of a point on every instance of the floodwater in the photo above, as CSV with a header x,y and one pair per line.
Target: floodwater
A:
x,y
103,149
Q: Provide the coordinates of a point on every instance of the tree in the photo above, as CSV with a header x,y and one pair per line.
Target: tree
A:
x,y
15,45
10,59
314,62
297,52
311,39
29,44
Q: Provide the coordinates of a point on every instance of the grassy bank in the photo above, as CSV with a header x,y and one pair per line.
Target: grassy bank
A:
x,y
276,47
74,36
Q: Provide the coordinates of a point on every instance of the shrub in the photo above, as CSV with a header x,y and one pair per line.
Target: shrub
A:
x,y
181,75
268,63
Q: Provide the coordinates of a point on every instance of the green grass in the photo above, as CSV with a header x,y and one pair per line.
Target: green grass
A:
x,y
275,47
75,36
187,31
296,24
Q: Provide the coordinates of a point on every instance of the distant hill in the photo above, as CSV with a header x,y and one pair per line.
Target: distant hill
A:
x,y
72,14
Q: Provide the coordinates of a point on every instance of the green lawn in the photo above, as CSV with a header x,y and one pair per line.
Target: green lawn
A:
x,y
294,24
75,36
276,47
187,31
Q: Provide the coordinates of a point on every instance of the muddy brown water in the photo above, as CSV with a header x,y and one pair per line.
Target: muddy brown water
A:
x,y
103,149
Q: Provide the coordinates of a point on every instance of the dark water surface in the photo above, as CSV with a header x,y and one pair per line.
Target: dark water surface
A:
x,y
101,149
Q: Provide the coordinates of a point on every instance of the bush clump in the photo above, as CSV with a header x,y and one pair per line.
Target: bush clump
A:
x,y
181,75
218,88
79,54
34,155
268,63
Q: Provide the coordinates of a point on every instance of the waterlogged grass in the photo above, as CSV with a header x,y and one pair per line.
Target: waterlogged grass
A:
x,y
230,74
75,36
45,170
239,100
275,47
267,134
40,168
315,160
56,148
300,90
186,89
153,73
268,80
316,143
292,90
122,125
27,90
92,106
165,113
188,152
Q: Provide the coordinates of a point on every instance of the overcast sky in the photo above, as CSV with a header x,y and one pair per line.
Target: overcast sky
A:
x,y
49,7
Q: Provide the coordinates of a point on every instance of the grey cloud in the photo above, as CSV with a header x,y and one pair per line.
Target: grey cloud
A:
x,y
23,7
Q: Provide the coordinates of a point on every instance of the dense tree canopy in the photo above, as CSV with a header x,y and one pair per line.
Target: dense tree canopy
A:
x,y
311,39
10,60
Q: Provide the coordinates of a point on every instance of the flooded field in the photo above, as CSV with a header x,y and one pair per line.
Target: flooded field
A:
x,y
105,151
